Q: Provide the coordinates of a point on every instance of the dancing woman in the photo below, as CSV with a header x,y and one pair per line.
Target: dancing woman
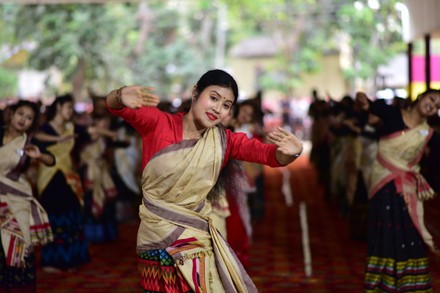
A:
x,y
23,221
179,248
60,189
397,237
99,188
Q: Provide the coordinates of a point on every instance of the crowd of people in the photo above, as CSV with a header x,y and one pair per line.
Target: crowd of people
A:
x,y
194,175
60,187
378,160
73,176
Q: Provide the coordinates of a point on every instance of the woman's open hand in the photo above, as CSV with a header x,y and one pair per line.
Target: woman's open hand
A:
x,y
288,144
32,151
135,97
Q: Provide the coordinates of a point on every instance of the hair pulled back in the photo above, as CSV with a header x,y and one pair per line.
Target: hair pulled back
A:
x,y
59,100
217,77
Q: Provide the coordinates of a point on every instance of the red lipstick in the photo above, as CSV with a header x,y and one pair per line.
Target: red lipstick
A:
x,y
211,116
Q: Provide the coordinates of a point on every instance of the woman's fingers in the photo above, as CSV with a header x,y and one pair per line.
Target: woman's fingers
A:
x,y
136,97
278,134
150,100
147,89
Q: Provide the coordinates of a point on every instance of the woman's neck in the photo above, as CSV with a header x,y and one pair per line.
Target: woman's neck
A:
x,y
10,134
58,121
190,130
11,131
412,118
58,124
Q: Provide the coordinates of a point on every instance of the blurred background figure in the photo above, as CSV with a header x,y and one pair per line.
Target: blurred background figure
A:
x,y
23,221
100,190
60,188
246,120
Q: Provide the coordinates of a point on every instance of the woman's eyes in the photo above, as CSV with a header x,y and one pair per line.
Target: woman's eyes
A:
x,y
225,106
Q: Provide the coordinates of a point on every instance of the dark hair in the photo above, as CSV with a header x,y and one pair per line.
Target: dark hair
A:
x,y
217,77
59,100
420,96
230,180
31,105
246,103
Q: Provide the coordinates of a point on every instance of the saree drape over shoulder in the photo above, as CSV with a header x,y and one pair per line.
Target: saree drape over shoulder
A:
x,y
174,214
97,175
62,153
23,221
397,160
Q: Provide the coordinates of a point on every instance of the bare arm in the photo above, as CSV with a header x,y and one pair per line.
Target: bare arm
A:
x,y
34,152
100,131
52,138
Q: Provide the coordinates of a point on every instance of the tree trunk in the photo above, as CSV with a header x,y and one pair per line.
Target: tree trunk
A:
x,y
78,80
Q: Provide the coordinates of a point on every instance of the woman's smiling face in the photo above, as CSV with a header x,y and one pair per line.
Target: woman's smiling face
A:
x,y
212,105
429,104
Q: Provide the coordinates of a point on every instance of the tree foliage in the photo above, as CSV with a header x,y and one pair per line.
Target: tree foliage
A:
x,y
8,83
106,46
375,36
167,44
307,29
84,41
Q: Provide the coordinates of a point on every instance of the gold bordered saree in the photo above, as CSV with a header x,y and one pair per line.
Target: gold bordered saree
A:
x,y
175,214
397,160
23,221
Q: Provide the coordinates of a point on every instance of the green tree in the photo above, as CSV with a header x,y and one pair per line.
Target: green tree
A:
x,y
8,75
167,44
8,83
375,36
299,28
304,30
105,46
83,41
178,49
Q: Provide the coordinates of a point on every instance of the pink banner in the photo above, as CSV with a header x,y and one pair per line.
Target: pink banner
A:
x,y
418,65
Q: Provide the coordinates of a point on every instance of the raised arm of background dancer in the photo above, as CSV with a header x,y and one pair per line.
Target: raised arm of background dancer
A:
x,y
99,131
133,97
44,137
34,152
289,146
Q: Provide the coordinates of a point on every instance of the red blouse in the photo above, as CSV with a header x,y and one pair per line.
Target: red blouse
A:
x,y
159,129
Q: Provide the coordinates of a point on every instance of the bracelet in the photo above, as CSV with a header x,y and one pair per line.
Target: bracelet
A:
x,y
118,96
298,154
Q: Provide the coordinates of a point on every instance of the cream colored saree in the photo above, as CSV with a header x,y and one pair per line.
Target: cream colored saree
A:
x,y
175,215
97,175
397,160
23,221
